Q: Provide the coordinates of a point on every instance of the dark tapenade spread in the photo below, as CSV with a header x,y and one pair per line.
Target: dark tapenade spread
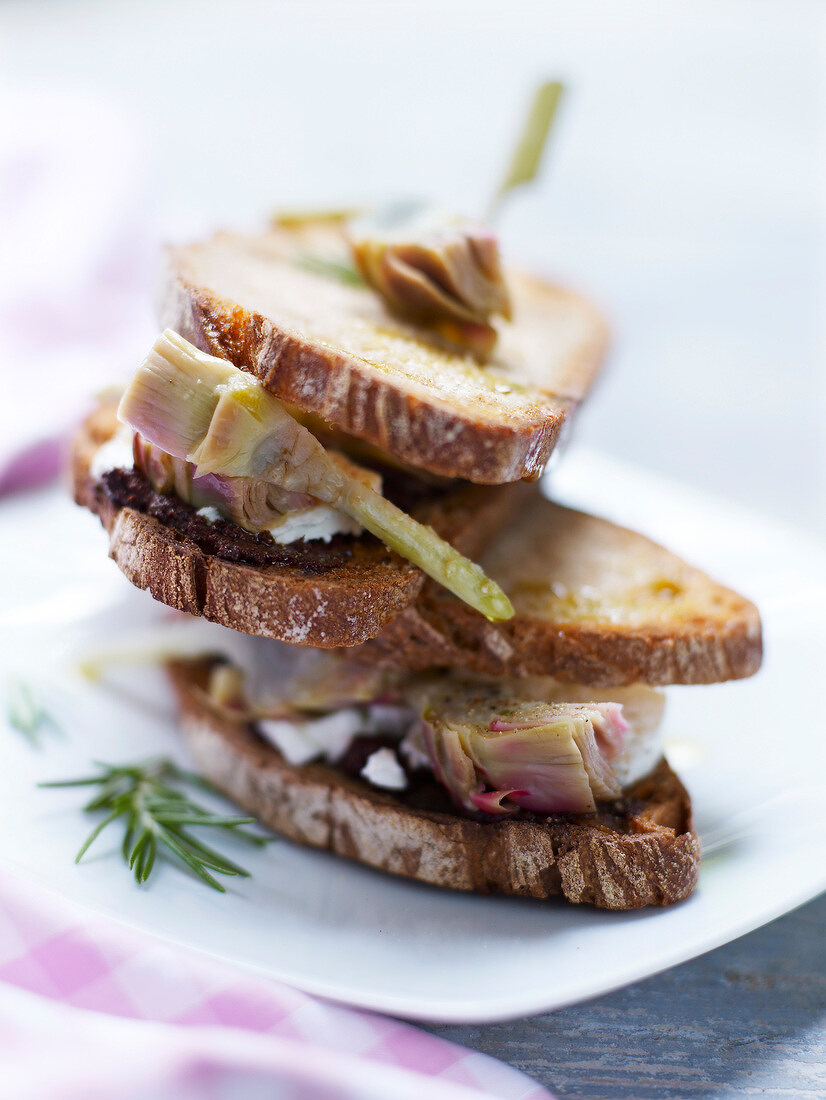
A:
x,y
129,489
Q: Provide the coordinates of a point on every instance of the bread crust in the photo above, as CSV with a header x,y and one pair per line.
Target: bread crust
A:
x,y
594,604
652,860
343,606
429,635
444,426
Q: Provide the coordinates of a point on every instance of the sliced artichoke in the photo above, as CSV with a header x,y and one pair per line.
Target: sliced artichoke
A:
x,y
251,503
499,755
207,412
434,269
281,679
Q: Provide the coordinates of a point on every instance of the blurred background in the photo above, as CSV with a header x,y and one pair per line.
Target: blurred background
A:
x,y
683,189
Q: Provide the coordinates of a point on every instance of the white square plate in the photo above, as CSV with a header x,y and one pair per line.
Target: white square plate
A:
x,y
753,755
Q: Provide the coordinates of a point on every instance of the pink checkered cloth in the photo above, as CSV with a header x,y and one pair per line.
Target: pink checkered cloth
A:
x,y
91,1009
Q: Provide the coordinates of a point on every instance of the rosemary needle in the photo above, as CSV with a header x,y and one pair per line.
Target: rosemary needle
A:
x,y
26,714
158,814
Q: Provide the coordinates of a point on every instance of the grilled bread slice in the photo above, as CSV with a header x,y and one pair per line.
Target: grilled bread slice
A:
x,y
322,594
594,604
333,350
642,851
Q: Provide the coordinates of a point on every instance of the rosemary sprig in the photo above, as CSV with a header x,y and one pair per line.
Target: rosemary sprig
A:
x,y
527,156
26,714
157,815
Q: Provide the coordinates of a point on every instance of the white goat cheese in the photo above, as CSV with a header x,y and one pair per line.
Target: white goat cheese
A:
x,y
210,514
114,454
382,769
319,522
328,737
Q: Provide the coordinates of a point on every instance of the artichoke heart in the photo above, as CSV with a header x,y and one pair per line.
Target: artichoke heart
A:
x,y
209,413
438,270
498,756
250,502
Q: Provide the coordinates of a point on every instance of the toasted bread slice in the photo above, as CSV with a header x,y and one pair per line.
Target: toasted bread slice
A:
x,y
594,604
333,350
326,595
638,853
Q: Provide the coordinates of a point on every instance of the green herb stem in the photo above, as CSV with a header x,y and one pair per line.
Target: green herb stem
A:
x,y
527,156
155,810
26,714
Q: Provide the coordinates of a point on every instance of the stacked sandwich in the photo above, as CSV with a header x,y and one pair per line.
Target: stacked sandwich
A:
x,y
332,450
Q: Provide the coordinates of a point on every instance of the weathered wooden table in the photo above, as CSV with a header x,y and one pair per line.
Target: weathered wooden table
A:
x,y
748,1019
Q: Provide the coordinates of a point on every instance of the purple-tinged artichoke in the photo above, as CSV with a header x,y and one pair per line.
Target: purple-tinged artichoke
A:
x,y
498,756
437,270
